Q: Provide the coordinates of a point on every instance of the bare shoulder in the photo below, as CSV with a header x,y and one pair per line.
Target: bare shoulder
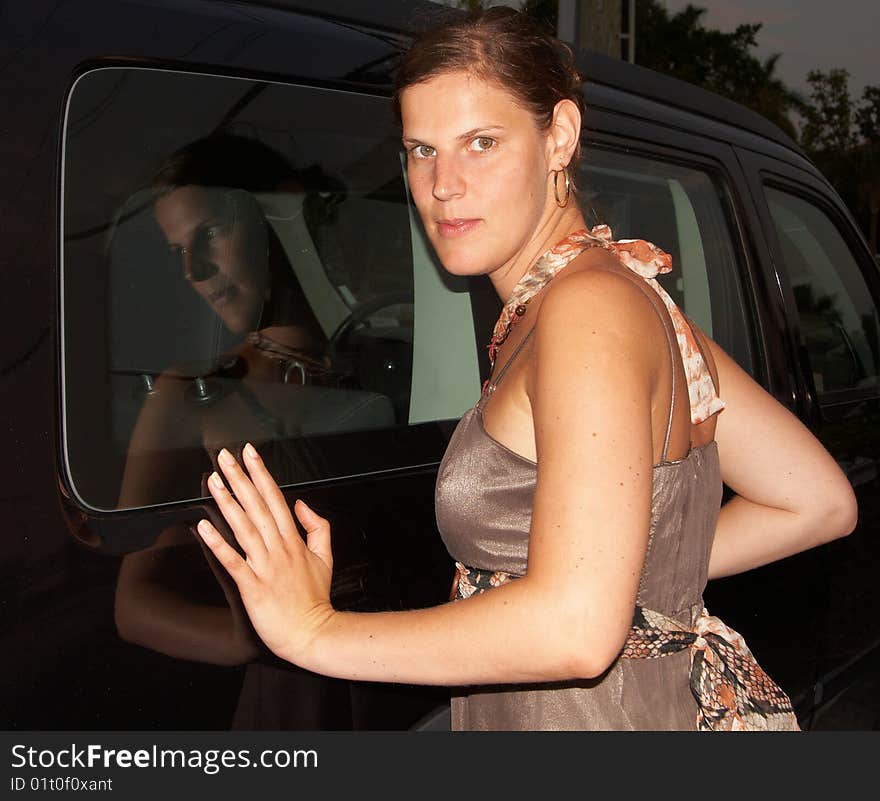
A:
x,y
595,292
596,328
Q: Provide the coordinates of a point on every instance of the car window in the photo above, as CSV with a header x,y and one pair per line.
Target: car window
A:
x,y
838,319
240,263
684,210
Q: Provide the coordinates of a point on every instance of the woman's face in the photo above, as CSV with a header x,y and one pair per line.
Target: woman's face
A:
x,y
478,170
221,245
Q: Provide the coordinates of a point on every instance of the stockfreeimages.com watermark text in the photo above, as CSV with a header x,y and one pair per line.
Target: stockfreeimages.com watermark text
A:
x,y
209,760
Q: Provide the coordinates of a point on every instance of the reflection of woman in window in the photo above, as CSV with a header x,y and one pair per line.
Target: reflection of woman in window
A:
x,y
208,213
207,209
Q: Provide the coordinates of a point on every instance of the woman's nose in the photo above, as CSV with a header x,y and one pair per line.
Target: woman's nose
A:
x,y
448,179
197,268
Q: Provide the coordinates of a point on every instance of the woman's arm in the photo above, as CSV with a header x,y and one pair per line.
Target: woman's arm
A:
x,y
790,493
151,610
154,604
568,618
163,413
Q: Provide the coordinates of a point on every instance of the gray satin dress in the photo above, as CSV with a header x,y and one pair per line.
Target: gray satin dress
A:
x,y
484,496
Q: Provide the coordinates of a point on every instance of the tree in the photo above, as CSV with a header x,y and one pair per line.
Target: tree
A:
x,y
843,139
868,115
829,115
868,122
680,45
868,190
867,118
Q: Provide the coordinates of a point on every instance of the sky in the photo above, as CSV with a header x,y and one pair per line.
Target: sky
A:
x,y
810,34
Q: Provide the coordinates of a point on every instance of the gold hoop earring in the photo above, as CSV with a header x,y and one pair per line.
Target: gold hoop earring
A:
x,y
561,202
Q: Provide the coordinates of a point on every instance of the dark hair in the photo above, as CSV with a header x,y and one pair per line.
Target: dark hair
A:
x,y
503,46
227,161
224,160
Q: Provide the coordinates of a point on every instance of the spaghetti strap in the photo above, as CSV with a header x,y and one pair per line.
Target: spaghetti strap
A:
x,y
646,260
492,385
673,347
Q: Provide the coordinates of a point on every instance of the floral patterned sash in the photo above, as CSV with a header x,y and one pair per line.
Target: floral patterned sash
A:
x,y
732,692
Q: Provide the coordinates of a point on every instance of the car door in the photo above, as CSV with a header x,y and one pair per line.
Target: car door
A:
x,y
830,283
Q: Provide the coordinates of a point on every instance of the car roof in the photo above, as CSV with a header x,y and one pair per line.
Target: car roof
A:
x,y
676,103
399,16
676,95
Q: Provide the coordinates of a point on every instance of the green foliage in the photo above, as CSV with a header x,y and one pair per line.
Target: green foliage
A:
x,y
843,139
829,117
868,115
680,45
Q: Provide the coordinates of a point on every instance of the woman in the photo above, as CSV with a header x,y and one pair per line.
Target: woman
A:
x,y
169,597
584,461
269,339
207,209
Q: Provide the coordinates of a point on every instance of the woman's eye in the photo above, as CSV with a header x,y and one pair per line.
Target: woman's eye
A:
x,y
211,235
422,151
483,143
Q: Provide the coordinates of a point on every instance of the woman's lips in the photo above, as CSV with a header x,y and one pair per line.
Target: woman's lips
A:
x,y
220,297
457,227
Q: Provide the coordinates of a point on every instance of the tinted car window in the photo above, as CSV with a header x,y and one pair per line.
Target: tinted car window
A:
x,y
838,320
237,265
685,211
833,283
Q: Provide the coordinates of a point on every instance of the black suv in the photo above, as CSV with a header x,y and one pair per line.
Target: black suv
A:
x,y
124,367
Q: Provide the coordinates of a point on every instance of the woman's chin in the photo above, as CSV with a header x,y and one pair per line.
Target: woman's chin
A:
x,y
459,262
238,324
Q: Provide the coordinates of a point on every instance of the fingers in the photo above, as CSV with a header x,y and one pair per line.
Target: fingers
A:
x,y
225,554
261,518
245,532
272,496
267,522
317,532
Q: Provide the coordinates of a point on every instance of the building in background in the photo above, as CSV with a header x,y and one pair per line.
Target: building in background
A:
x,y
606,26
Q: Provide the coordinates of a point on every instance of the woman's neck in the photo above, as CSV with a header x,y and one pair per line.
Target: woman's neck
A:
x,y
295,337
552,231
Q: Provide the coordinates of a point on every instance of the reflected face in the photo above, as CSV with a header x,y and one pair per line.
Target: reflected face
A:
x,y
478,168
221,245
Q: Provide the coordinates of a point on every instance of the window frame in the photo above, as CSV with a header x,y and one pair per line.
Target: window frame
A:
x,y
750,353
841,399
422,441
